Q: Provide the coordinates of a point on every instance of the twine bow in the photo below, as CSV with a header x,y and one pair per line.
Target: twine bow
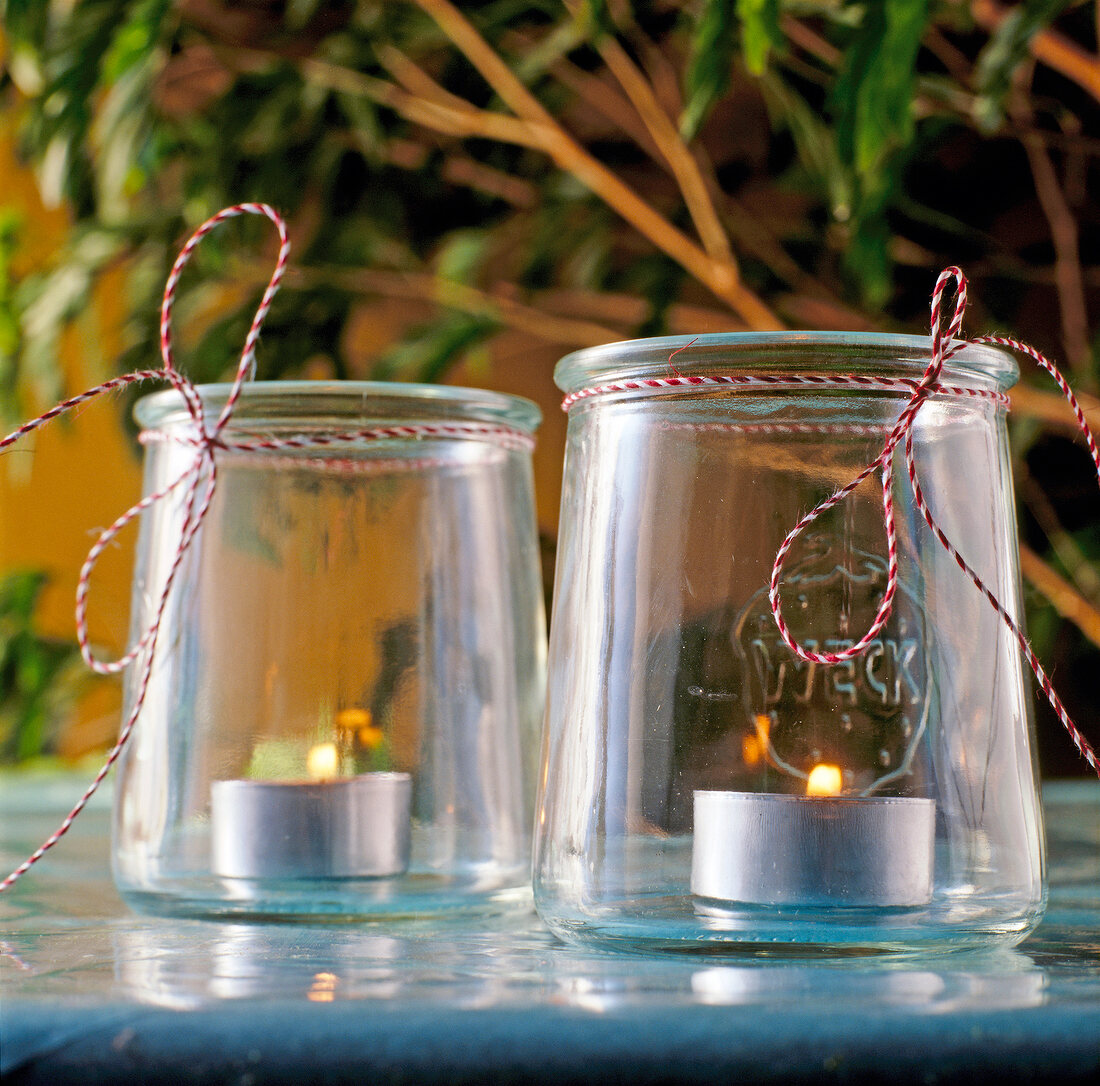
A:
x,y
199,479
197,482
945,344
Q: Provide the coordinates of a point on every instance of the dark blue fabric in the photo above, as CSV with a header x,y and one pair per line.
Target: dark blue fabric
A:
x,y
336,1043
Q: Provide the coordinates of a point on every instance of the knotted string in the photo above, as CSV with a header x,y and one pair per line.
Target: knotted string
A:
x,y
198,481
946,342
902,429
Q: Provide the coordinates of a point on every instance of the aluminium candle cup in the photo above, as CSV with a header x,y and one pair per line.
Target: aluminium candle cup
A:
x,y
356,827
763,849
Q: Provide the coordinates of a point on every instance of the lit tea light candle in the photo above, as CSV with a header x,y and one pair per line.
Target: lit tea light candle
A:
x,y
324,827
819,849
824,780
323,762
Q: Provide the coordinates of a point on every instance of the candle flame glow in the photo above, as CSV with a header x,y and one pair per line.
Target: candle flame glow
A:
x,y
754,747
824,780
322,761
324,987
353,719
360,723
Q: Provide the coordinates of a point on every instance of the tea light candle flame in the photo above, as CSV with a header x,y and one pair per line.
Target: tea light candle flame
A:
x,y
824,780
322,762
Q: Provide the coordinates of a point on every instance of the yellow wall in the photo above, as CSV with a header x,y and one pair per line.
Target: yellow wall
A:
x,y
78,473
62,484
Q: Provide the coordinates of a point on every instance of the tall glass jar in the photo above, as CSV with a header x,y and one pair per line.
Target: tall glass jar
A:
x,y
702,786
349,673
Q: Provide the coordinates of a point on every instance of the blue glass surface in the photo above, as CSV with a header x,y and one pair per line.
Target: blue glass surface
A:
x,y
93,992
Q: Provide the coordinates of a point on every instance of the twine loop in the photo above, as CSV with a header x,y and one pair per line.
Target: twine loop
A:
x,y
942,350
947,341
198,481
945,344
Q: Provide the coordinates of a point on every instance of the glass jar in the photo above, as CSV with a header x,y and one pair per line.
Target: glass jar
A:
x,y
349,673
704,787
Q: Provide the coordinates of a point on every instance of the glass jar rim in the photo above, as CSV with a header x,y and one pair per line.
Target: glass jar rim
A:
x,y
343,403
777,353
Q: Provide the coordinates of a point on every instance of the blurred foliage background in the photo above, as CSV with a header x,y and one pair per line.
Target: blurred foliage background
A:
x,y
474,190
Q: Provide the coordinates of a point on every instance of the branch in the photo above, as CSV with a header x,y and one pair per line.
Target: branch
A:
x,y
563,331
1064,235
1067,259
630,310
1050,408
417,81
1048,46
566,318
462,170
748,227
1068,550
452,116
810,41
462,120
1061,595
673,149
599,94
456,169
719,277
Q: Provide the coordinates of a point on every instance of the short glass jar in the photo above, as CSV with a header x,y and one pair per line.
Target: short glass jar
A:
x,y
349,673
703,788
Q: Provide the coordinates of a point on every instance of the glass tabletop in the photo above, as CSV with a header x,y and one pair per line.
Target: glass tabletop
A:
x,y
94,992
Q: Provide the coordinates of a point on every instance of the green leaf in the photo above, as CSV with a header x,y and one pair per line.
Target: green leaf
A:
x,y
759,32
708,73
433,348
299,12
596,14
1006,50
11,337
462,254
135,39
658,281
815,141
555,45
874,93
867,257
37,678
26,26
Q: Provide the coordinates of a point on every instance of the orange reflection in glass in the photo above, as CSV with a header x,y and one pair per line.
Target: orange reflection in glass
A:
x,y
324,988
754,748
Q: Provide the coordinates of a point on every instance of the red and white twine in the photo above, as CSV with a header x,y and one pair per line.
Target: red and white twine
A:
x,y
946,342
198,481
763,380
